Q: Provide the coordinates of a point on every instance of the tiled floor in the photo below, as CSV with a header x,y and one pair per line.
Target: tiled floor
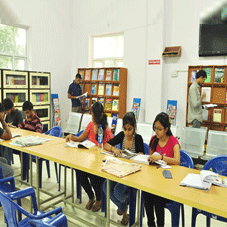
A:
x,y
51,185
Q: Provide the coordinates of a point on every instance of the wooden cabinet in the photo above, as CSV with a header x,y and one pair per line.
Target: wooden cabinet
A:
x,y
21,86
215,87
106,85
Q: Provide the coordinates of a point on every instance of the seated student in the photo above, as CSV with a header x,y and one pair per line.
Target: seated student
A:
x,y
129,140
91,132
13,115
168,148
5,134
32,121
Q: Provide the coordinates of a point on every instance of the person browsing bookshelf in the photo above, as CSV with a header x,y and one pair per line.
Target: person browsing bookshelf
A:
x,y
73,92
5,133
13,115
32,121
195,100
168,149
91,133
130,140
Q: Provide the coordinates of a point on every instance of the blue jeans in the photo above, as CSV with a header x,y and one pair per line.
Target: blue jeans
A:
x,y
118,194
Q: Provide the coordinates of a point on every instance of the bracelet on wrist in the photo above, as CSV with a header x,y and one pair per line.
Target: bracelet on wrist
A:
x,y
162,157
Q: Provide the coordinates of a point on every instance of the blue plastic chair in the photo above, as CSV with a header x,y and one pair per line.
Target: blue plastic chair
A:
x,y
218,165
172,206
57,132
44,219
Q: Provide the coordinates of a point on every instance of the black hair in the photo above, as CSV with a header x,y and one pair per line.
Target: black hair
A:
x,y
7,103
78,76
2,109
27,106
201,73
163,118
129,118
99,116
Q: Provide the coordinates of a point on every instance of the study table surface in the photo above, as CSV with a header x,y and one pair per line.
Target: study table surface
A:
x,y
149,179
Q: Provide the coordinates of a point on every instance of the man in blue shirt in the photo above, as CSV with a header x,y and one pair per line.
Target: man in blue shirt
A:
x,y
73,93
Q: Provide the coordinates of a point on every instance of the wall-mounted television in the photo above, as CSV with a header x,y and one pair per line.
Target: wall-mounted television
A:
x,y
213,40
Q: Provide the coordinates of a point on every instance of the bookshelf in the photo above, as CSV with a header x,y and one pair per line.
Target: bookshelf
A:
x,y
106,85
215,87
20,86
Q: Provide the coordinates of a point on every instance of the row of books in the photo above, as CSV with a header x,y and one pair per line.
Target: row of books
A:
x,y
36,80
219,75
219,96
40,97
218,115
108,104
15,80
15,98
108,90
96,74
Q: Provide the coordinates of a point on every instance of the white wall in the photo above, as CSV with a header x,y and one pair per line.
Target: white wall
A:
x,y
50,40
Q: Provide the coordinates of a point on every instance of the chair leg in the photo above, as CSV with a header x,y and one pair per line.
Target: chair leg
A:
x,y
208,221
40,163
194,216
182,214
142,209
56,171
48,168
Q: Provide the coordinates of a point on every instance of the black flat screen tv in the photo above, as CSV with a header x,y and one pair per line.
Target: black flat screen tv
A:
x,y
213,40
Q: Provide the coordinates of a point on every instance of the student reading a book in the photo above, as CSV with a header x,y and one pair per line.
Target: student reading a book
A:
x,y
7,170
91,132
168,148
130,140
195,100
73,92
13,115
32,121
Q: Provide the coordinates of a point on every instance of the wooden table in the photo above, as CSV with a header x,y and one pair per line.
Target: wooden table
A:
x,y
149,179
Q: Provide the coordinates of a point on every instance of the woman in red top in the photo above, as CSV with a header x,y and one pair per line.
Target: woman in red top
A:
x,y
168,149
91,132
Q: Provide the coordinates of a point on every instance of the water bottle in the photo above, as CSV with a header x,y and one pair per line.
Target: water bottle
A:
x,y
100,137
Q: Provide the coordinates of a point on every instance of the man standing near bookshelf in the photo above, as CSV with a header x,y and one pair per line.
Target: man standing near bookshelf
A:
x,y
73,93
195,100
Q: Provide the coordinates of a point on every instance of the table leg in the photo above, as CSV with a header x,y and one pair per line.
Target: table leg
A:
x,y
107,202
138,207
72,184
30,164
37,182
22,165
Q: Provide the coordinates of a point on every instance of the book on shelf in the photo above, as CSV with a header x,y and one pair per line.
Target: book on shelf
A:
x,y
45,97
219,76
82,87
119,168
108,74
81,72
10,80
93,100
108,89
207,106
217,115
114,121
94,74
101,100
101,89
41,97
34,82
116,89
38,99
107,104
193,75
115,105
38,80
87,74
116,74
33,97
208,72
85,144
204,180
101,74
207,91
16,99
86,103
93,89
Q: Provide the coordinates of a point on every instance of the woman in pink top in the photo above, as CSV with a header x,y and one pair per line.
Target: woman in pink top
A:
x,y
91,132
168,149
